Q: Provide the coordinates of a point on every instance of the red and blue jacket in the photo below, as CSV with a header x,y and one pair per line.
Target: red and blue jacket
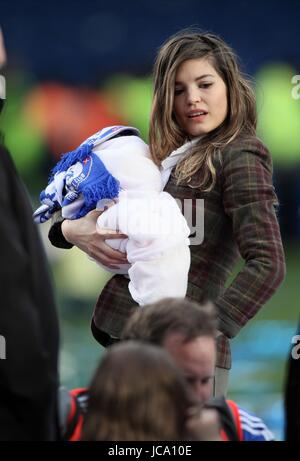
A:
x,y
236,424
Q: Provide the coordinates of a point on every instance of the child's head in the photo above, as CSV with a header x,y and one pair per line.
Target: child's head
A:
x,y
224,96
138,393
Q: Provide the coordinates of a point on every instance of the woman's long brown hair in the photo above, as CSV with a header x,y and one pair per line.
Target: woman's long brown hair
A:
x,y
165,134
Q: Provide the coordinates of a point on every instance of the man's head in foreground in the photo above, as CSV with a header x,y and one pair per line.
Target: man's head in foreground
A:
x,y
187,330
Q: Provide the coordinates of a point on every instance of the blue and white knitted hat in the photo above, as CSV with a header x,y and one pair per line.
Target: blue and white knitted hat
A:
x,y
80,179
86,147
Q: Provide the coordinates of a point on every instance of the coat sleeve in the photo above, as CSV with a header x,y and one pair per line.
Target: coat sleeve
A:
x,y
28,372
250,202
55,234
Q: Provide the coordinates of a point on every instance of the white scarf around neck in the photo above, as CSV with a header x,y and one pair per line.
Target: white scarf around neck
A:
x,y
175,157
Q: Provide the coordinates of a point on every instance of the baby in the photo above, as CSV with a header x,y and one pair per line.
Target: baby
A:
x,y
115,165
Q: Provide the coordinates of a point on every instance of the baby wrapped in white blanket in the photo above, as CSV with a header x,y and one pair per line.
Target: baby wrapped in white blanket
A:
x,y
157,246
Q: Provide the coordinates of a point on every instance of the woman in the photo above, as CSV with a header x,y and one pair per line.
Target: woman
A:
x,y
203,106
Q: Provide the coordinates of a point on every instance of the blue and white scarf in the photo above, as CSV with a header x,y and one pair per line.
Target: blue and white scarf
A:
x,y
80,179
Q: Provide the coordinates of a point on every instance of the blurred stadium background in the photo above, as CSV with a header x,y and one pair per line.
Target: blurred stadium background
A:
x,y
77,66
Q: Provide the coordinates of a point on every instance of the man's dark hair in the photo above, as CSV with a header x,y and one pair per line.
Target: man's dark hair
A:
x,y
153,322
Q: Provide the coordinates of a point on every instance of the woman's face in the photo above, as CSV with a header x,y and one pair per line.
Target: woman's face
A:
x,y
200,97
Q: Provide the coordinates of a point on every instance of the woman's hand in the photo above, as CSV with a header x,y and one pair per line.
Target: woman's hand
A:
x,y
83,234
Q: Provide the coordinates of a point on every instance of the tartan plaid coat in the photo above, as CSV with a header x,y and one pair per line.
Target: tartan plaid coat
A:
x,y
239,221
